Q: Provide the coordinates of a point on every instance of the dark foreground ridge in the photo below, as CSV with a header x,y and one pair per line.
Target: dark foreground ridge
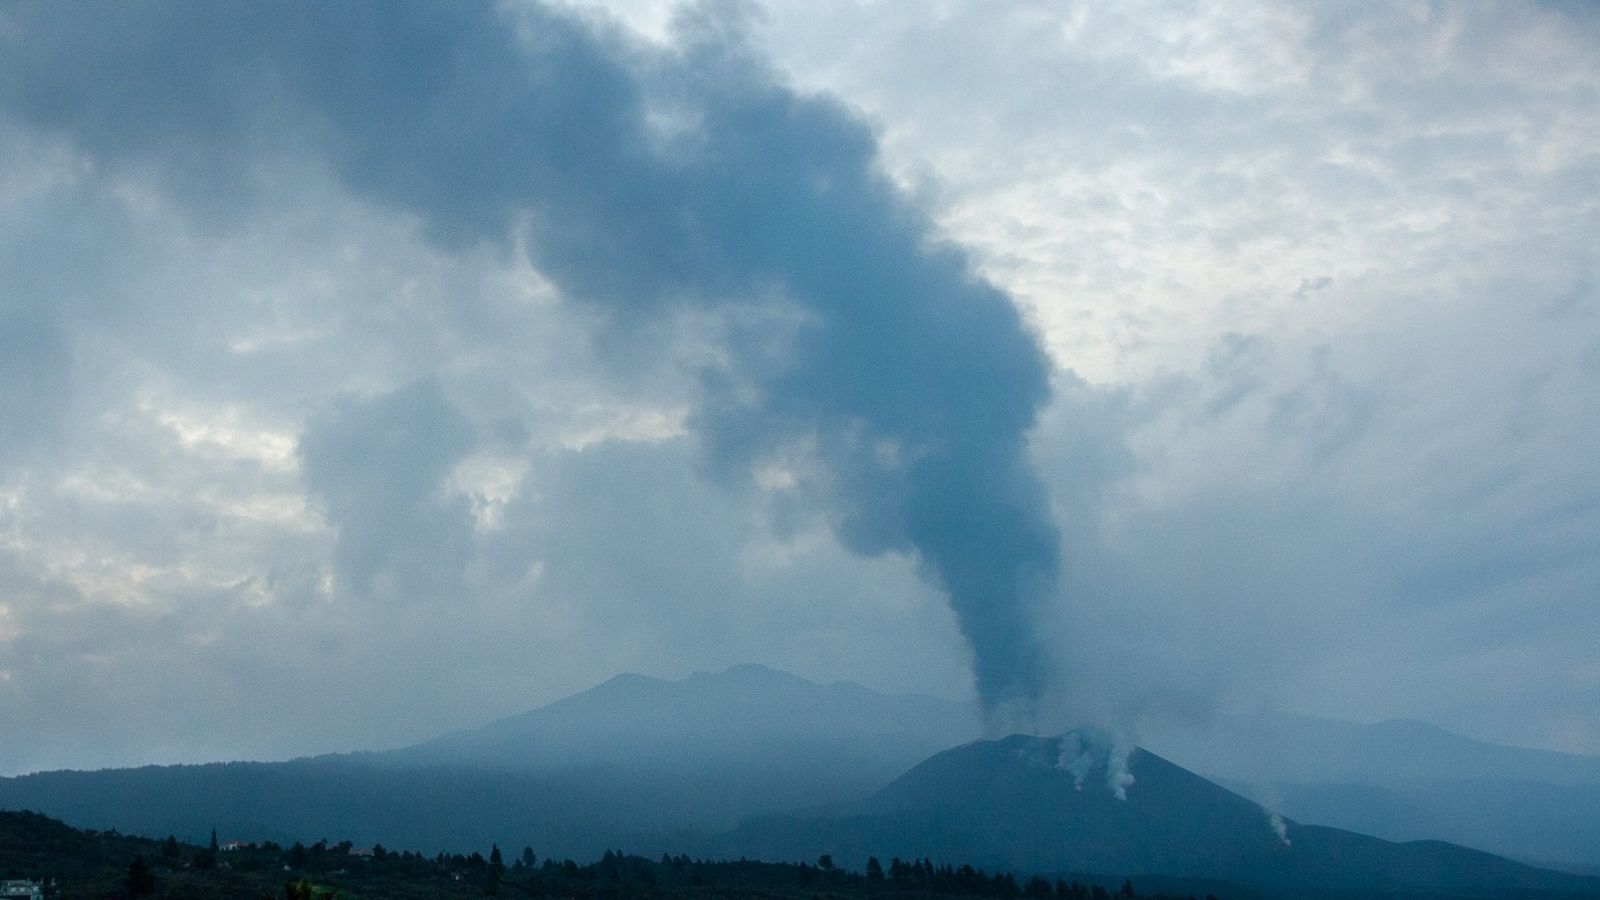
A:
x,y
71,863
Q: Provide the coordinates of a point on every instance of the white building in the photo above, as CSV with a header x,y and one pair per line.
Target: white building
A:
x,y
21,890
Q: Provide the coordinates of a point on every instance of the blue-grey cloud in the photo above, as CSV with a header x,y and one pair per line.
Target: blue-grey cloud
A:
x,y
379,465
912,382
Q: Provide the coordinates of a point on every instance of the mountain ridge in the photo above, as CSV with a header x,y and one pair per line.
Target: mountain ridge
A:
x,y
1404,779
659,772
1019,803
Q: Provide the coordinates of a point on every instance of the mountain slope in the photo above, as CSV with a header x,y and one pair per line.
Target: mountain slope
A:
x,y
1551,825
715,747
633,761
749,713
1048,804
1279,747
1405,780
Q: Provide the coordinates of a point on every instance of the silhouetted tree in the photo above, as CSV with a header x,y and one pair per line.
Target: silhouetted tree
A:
x,y
497,869
1127,888
141,881
874,869
213,845
825,862
171,850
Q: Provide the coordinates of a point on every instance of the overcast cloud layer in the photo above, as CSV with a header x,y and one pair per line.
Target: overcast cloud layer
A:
x,y
319,434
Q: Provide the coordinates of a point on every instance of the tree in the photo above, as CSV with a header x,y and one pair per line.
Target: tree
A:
x,y
1127,888
141,881
171,850
528,859
874,869
213,845
497,869
825,862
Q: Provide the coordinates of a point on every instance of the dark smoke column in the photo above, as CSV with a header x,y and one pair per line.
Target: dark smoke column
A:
x,y
916,381
651,182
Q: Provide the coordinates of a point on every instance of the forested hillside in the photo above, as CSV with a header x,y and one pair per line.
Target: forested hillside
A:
x,y
91,864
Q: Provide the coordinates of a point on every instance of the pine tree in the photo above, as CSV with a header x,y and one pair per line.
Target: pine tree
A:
x,y
141,881
497,868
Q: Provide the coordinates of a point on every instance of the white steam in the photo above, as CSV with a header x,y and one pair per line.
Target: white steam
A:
x,y
1279,827
1118,778
1271,802
1086,749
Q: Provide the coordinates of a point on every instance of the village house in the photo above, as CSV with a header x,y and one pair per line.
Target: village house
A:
x,y
21,890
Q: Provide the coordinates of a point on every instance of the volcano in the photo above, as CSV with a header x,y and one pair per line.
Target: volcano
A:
x,y
1079,803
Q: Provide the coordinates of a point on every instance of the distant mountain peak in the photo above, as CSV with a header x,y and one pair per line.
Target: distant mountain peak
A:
x,y
627,679
753,673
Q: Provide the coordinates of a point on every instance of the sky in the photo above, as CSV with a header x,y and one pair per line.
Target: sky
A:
x,y
367,376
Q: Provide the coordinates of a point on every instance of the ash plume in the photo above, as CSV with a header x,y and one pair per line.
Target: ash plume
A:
x,y
645,183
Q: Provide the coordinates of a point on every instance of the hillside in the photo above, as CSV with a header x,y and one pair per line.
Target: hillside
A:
x,y
749,739
1280,747
86,864
1049,804
1406,780
753,763
635,760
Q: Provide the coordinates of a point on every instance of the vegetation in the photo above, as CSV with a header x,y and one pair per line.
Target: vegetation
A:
x,y
90,864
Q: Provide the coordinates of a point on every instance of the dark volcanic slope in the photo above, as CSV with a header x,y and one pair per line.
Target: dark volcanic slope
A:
x,y
1018,803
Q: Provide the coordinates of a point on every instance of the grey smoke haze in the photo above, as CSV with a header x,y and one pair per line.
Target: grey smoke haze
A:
x,y
356,389
858,340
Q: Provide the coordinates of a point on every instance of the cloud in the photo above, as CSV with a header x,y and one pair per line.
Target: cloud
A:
x,y
378,466
912,382
353,372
